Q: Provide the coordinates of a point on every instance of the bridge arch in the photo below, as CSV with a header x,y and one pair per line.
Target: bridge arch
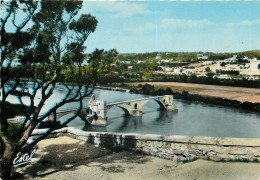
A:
x,y
161,105
126,111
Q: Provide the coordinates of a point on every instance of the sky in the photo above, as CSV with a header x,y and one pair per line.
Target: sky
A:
x,y
175,26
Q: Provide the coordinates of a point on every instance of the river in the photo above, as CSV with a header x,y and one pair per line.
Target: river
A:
x,y
192,118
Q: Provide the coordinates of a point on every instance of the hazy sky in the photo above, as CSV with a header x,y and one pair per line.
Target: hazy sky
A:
x,y
148,26
131,26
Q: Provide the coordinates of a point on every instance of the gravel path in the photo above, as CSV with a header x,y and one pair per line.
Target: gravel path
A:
x,y
65,158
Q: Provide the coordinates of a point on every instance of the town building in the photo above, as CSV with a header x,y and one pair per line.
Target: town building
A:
x,y
201,56
158,57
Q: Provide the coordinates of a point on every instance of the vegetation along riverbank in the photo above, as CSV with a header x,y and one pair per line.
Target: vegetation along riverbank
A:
x,y
184,93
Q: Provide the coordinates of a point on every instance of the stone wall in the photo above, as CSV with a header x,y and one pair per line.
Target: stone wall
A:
x,y
176,148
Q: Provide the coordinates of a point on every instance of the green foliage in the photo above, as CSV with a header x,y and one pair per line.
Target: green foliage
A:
x,y
207,69
134,77
169,91
148,74
13,110
109,57
154,66
85,24
49,124
14,131
45,53
228,72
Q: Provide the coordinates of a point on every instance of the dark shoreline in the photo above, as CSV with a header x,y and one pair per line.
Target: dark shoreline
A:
x,y
185,95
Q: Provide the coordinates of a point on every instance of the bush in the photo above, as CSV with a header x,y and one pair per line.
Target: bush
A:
x,y
49,124
169,91
12,110
14,131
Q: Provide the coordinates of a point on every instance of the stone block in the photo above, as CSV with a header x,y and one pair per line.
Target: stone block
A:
x,y
215,158
255,151
204,140
175,158
227,156
240,142
226,151
244,158
177,139
177,152
204,153
212,153
237,150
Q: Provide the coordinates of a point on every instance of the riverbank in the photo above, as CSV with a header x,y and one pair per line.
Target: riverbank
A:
x,y
188,92
233,93
68,158
112,88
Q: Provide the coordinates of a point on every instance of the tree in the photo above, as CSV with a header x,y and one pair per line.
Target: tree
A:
x,y
154,66
207,69
55,40
147,73
109,57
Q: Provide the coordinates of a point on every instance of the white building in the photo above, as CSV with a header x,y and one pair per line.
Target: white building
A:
x,y
165,60
223,76
158,56
168,69
201,56
189,71
254,64
177,70
126,62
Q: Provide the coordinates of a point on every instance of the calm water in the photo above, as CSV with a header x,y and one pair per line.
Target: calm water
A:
x,y
192,119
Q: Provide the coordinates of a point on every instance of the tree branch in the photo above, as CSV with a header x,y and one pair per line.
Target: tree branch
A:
x,y
29,146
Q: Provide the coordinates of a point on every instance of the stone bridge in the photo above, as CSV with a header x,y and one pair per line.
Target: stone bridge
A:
x,y
96,113
98,109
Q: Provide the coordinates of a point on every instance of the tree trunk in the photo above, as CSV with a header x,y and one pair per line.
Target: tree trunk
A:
x,y
6,161
6,164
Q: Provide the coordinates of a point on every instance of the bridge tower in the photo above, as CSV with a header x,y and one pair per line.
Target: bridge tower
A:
x,y
96,111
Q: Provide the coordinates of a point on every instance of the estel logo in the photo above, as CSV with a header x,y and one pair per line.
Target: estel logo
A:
x,y
23,158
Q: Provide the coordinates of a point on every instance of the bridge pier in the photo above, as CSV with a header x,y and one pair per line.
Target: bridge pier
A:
x,y
171,107
99,122
136,112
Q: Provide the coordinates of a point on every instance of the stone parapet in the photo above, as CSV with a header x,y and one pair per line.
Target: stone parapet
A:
x,y
176,148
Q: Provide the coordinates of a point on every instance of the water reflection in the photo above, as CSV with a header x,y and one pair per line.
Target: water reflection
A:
x,y
88,127
165,115
192,119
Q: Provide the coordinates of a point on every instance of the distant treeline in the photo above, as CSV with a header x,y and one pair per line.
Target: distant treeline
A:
x,y
185,95
185,56
198,80
228,72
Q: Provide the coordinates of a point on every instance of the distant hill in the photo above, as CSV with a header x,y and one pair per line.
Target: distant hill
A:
x,y
185,56
251,54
